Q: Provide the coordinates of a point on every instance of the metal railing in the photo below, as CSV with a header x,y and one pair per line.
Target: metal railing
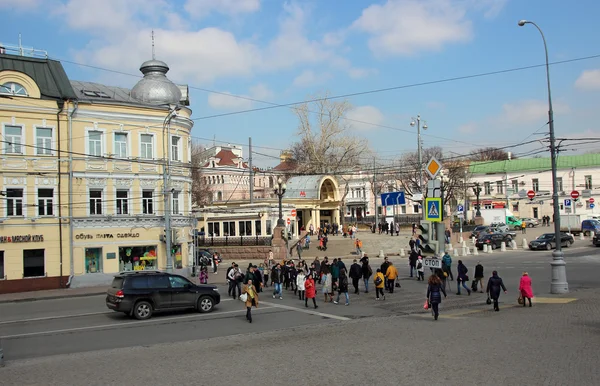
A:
x,y
233,241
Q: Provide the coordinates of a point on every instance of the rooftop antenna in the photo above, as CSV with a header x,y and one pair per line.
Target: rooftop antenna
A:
x,y
153,54
20,45
214,140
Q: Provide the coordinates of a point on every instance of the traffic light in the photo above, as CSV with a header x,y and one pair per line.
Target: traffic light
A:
x,y
174,248
428,244
163,236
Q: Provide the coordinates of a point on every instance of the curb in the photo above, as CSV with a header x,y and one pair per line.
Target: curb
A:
x,y
34,299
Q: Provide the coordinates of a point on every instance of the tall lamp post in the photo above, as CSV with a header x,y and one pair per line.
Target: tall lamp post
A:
x,y
167,183
280,191
477,191
417,121
559,283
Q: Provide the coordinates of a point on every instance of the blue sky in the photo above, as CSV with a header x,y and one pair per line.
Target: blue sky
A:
x,y
287,51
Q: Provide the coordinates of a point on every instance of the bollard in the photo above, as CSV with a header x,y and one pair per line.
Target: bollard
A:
x,y
485,248
450,248
490,249
381,253
473,240
524,243
581,236
460,240
455,253
503,247
465,251
402,252
592,234
475,251
513,244
463,244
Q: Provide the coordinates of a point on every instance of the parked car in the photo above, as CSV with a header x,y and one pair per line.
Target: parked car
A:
x,y
596,240
478,230
548,241
493,239
531,222
499,227
141,293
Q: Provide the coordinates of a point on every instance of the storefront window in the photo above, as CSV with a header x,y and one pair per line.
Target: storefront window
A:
x,y
93,260
137,258
177,258
269,229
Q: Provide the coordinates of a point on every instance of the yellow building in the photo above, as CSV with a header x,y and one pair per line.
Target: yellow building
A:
x,y
82,175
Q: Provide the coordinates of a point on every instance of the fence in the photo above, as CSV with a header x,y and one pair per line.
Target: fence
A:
x,y
233,241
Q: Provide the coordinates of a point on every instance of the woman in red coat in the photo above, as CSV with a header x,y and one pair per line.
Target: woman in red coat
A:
x,y
311,291
525,288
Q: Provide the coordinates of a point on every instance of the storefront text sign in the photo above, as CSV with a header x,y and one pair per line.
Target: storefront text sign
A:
x,y
87,236
22,239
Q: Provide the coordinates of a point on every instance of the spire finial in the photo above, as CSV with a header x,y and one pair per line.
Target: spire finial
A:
x,y
153,54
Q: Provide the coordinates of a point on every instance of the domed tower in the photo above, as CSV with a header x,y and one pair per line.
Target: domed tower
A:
x,y
155,88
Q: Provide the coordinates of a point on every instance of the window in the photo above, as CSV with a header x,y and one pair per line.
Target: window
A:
x,y
535,185
121,145
122,202
34,263
269,228
14,137
175,203
403,209
515,207
43,137
147,146
500,187
515,186
588,182
415,208
258,227
178,282
95,143
2,276
245,228
229,228
175,153
147,202
45,202
487,188
95,202
158,281
13,88
14,202
214,229
219,196
93,260
559,184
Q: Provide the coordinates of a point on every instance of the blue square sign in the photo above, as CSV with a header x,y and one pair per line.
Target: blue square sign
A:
x,y
568,202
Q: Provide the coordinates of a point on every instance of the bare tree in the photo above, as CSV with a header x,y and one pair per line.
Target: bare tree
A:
x,y
489,154
201,193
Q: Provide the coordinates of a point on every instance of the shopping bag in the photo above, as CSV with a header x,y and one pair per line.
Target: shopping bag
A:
x,y
520,300
244,297
426,305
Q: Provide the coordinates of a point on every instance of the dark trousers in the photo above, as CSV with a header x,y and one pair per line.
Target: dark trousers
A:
x,y
233,285
267,280
527,299
355,284
390,284
496,305
249,313
379,291
436,309
421,275
314,302
301,294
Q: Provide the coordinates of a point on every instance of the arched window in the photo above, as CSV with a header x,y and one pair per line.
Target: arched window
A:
x,y
219,196
12,88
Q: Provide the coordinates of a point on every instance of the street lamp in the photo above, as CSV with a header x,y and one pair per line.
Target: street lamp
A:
x,y
417,121
280,191
559,283
477,191
167,182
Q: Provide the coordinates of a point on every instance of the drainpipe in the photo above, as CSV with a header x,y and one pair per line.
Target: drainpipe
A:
x,y
70,134
61,107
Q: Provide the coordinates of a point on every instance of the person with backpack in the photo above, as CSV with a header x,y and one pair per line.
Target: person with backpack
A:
x,y
355,275
420,269
367,272
462,277
343,287
379,283
447,264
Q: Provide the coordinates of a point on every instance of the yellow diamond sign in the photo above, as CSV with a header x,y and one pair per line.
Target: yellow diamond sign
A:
x,y
433,167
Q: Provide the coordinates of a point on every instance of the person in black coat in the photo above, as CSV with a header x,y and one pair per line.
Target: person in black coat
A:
x,y
493,288
434,294
355,275
412,261
384,266
366,272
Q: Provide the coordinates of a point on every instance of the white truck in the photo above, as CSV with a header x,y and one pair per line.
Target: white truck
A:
x,y
577,223
491,216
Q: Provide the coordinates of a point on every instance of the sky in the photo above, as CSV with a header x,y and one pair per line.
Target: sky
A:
x,y
400,58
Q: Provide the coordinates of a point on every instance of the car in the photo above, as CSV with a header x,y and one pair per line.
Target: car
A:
x,y
547,241
493,239
142,293
531,222
478,230
596,240
499,227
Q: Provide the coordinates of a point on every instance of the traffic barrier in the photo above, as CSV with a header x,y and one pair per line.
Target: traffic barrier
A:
x,y
490,249
475,251
581,236
465,251
402,254
513,244
524,243
485,248
381,253
455,253
450,248
460,240
503,247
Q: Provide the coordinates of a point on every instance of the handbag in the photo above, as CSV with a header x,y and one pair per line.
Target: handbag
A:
x,y
244,297
520,300
488,301
426,305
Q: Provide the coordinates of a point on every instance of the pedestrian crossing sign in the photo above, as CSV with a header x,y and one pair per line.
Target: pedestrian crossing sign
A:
x,y
433,209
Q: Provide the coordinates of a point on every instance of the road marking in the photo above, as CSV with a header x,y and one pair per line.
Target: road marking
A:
x,y
306,311
67,316
125,324
537,300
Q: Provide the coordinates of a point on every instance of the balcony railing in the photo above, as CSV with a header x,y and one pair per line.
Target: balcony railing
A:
x,y
233,241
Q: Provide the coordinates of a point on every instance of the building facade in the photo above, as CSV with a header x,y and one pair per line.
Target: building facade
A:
x,y
82,176
504,184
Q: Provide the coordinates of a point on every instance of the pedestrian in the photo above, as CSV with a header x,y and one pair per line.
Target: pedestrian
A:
x,y
462,278
266,271
447,264
261,275
494,285
234,278
358,246
311,291
343,287
327,284
525,288
215,261
276,279
392,229
412,261
391,274
227,277
299,249
300,280
447,234
479,277
367,272
317,264
292,273
420,269
414,229
379,283
335,274
203,275
523,227
251,299
311,228
355,275
397,229
384,266
341,264
434,294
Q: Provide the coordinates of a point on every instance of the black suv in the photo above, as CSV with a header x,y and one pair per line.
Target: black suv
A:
x,y
142,293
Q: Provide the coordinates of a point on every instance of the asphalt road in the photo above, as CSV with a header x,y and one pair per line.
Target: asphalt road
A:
x,y
66,326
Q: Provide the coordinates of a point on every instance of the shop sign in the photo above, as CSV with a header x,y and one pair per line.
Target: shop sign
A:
x,y
22,239
87,236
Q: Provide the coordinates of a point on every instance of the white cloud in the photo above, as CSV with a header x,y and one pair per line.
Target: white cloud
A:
x,y
202,8
310,78
365,117
529,111
229,101
589,80
468,128
410,26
